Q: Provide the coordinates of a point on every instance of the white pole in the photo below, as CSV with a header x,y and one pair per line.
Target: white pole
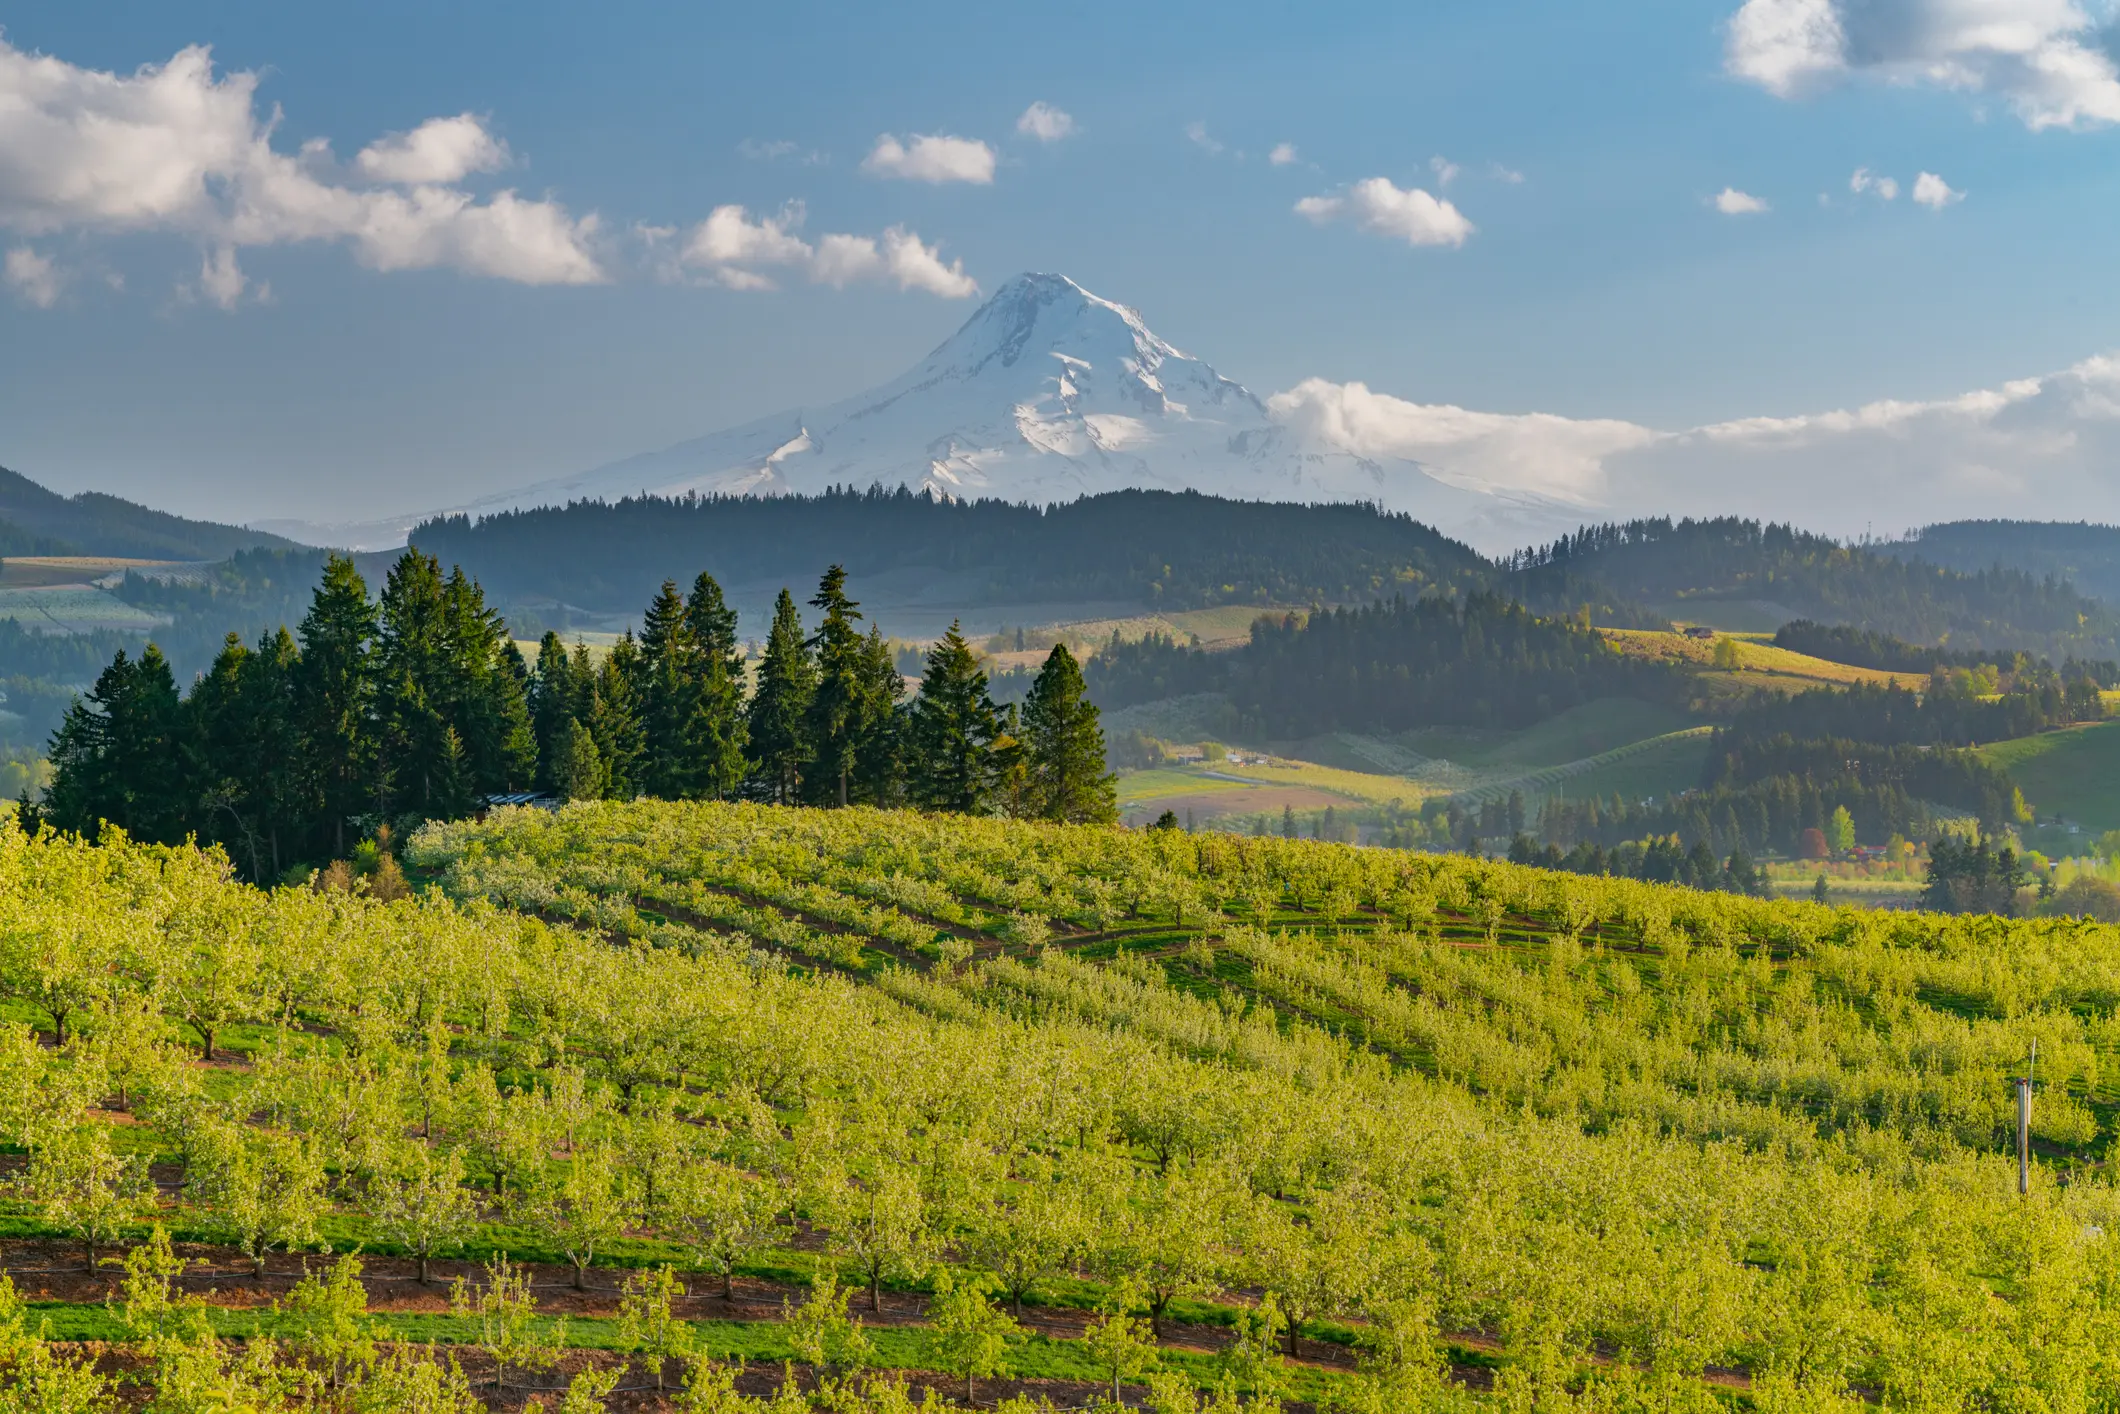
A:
x,y
2024,1135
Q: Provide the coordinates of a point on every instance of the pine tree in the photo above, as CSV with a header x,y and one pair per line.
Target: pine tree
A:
x,y
557,695
420,766
244,755
334,689
118,755
579,774
879,762
614,716
669,697
484,693
951,733
778,720
718,726
841,713
1066,746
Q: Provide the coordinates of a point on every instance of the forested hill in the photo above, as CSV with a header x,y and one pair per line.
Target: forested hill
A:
x,y
2087,556
1670,564
36,521
1178,550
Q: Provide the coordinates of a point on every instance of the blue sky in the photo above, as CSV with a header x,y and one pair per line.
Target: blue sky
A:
x,y
1597,278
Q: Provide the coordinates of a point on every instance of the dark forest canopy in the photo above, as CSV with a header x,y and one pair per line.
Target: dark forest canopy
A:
x,y
1670,563
2082,554
1479,661
1177,550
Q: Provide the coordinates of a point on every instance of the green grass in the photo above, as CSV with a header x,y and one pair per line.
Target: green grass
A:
x,y
1162,784
1588,730
1662,769
2073,773
73,610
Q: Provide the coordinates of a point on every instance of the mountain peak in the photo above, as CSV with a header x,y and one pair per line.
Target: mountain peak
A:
x,y
1038,313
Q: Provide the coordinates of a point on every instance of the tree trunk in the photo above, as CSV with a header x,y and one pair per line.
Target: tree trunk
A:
x,y
423,1269
1155,1315
728,1282
581,1276
876,1290
257,1265
90,1244
206,1048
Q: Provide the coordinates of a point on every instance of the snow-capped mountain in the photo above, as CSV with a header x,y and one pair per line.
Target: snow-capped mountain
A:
x,y
1047,393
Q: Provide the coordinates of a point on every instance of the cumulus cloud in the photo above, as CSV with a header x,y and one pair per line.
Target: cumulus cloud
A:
x,y
35,279
177,148
1283,154
2043,57
439,152
2047,441
1934,192
931,158
1375,205
742,252
1045,122
1557,457
1885,188
1732,202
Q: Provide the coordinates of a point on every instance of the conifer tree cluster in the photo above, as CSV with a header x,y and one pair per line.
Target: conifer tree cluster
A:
x,y
418,706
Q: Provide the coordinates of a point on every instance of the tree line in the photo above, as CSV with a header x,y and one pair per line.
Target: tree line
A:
x,y
1394,665
417,705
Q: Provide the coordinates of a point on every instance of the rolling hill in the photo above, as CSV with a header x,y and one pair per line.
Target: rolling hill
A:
x,y
38,521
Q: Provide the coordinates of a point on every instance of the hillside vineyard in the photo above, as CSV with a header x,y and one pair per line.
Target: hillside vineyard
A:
x,y
1398,1127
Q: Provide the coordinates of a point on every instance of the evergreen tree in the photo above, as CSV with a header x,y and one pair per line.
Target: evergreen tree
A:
x,y
879,763
334,691
614,715
118,755
841,712
952,731
778,720
718,725
579,774
485,683
1066,747
419,767
557,695
245,756
669,691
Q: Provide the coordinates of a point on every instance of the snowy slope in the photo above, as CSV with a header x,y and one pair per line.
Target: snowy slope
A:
x,y
1047,393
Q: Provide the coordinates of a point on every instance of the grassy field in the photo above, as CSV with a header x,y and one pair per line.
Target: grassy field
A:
x,y
73,609
40,571
2073,773
1759,663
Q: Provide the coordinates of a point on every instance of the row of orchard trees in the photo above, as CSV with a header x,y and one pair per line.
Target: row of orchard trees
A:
x,y
418,705
429,1068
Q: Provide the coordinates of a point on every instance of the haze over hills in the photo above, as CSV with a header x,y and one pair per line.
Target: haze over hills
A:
x,y
1048,393
37,521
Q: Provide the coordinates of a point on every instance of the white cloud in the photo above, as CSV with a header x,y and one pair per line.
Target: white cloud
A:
x,y
221,279
1732,202
759,151
2044,57
1283,154
1045,123
1536,452
175,148
1377,206
36,279
1505,174
932,158
735,249
1863,181
439,152
1934,192
2051,441
1196,133
1446,171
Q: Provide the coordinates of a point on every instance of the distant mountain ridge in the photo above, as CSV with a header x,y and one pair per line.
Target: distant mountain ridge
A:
x,y
37,521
